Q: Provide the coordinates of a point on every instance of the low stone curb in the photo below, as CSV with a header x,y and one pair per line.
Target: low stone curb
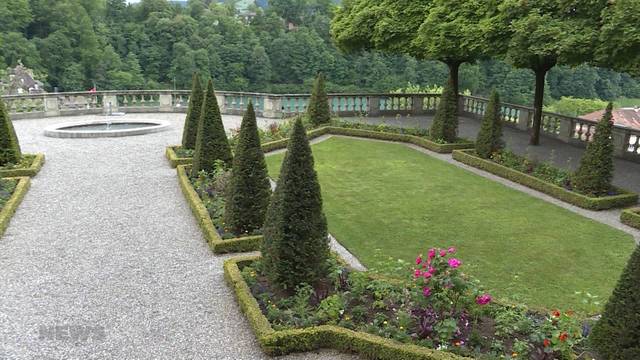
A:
x,y
30,171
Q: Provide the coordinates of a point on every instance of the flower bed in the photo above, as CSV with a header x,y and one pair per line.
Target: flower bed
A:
x,y
631,217
12,191
213,232
29,165
438,314
544,178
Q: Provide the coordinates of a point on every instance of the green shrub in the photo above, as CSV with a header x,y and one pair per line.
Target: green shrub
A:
x,y
489,138
211,141
9,146
190,132
318,109
616,334
571,106
295,244
595,173
445,123
249,190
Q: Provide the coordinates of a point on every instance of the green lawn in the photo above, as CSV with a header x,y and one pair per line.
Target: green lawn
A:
x,y
390,197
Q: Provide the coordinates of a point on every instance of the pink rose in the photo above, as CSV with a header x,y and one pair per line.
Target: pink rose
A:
x,y
417,273
454,263
419,259
452,250
483,299
443,253
432,253
427,275
426,291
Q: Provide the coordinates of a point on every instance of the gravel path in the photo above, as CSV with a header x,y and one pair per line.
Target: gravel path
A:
x,y
104,260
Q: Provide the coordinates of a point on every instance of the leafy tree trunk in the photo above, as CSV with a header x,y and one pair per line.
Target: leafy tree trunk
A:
x,y
541,73
454,71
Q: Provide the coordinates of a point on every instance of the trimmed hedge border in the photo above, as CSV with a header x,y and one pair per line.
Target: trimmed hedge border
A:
x,y
217,244
626,198
174,160
32,170
12,204
326,336
631,217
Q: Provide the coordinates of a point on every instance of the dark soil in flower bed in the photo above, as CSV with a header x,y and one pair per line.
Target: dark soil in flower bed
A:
x,y
542,170
439,307
210,188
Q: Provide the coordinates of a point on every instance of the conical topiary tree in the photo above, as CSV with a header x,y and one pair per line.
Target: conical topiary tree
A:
x,y
190,132
489,138
9,145
445,123
249,189
595,172
616,334
318,109
295,246
211,141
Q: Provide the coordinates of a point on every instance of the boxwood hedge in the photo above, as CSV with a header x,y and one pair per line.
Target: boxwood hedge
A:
x,y
625,198
11,205
631,217
32,170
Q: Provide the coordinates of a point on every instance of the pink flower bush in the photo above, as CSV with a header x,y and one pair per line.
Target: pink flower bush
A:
x,y
426,291
483,299
454,263
451,250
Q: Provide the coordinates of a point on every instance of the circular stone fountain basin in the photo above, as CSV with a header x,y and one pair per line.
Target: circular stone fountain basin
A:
x,y
102,128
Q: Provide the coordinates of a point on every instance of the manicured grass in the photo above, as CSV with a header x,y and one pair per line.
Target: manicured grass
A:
x,y
390,197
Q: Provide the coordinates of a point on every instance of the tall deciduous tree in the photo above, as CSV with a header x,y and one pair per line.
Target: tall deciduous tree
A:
x,y
249,189
619,45
211,142
191,122
538,35
295,247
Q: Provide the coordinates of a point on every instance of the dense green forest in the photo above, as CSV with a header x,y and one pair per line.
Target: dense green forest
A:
x,y
78,44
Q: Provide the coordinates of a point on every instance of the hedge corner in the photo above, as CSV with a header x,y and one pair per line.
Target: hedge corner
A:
x,y
217,244
30,171
631,217
173,158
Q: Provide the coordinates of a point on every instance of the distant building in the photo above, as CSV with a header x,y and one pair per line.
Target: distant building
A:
x,y
625,117
20,80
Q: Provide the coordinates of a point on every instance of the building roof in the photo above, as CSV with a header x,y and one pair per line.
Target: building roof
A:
x,y
626,117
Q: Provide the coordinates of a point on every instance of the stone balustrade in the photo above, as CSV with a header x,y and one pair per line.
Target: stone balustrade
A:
x,y
568,129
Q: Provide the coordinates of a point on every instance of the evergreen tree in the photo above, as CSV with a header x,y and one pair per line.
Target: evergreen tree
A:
x,y
595,172
615,335
249,189
9,146
489,138
318,108
211,141
190,131
295,246
445,123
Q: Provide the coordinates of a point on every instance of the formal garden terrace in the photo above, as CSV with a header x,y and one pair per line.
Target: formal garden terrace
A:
x,y
465,255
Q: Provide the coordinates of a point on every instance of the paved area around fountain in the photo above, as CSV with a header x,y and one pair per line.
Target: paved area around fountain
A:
x,y
104,260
